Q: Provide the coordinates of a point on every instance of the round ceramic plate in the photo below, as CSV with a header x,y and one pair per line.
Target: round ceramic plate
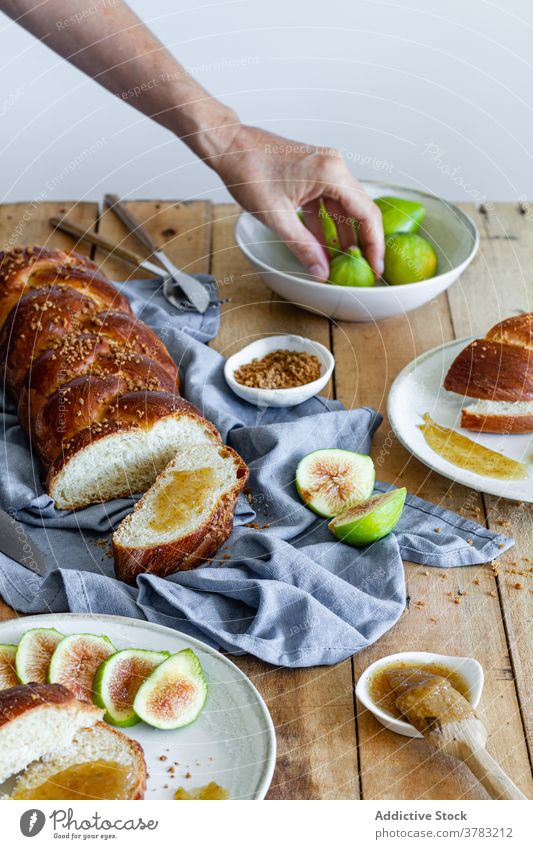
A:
x,y
417,390
233,740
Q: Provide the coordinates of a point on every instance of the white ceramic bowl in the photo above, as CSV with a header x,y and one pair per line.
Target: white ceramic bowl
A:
x,y
453,234
469,669
279,397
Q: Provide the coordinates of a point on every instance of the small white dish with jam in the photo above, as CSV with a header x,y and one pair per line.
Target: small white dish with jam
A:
x,y
373,691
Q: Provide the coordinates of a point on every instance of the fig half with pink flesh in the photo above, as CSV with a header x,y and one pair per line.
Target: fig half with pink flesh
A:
x,y
34,651
75,661
118,679
332,479
8,672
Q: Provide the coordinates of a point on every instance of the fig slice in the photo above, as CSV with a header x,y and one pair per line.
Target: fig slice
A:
x,y
8,670
371,520
117,680
34,651
174,694
331,479
75,661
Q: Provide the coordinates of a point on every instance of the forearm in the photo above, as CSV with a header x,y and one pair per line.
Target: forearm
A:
x,y
111,44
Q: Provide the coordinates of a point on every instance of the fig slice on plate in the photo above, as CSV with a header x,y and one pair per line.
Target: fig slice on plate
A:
x,y
75,661
34,651
371,520
174,694
117,680
8,671
331,480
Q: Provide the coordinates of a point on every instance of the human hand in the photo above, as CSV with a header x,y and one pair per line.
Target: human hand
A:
x,y
272,177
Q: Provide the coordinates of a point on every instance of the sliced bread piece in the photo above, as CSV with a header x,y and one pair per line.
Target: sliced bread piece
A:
x,y
36,719
99,763
124,453
492,371
185,516
498,417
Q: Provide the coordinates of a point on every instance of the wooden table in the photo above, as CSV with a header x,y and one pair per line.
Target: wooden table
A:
x,y
328,746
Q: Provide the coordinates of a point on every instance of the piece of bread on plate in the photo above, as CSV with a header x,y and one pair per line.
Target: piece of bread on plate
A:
x,y
99,743
36,719
515,330
497,371
498,417
184,517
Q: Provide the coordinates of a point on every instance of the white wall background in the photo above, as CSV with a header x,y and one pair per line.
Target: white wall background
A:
x,y
417,92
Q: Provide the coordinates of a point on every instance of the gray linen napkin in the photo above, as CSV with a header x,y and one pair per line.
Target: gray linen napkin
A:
x,y
282,588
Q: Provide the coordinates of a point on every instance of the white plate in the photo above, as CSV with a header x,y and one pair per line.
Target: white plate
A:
x,y
417,390
233,740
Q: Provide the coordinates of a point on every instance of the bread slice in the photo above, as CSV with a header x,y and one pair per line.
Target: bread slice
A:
x,y
124,453
35,719
515,330
498,417
185,516
492,371
101,744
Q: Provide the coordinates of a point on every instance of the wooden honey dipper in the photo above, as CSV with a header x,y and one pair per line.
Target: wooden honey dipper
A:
x,y
448,722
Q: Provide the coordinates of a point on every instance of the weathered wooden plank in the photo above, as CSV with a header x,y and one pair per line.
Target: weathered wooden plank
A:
x,y
312,709
391,766
27,223
505,287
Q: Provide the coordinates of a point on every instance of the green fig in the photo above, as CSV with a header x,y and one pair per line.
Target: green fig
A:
x,y
408,259
399,215
331,236
370,520
351,269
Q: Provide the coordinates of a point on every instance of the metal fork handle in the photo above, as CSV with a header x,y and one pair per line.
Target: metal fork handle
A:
x,y
134,226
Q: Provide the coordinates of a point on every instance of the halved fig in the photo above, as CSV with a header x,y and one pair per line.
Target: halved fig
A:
x,y
174,694
331,480
75,661
8,671
117,680
34,652
371,520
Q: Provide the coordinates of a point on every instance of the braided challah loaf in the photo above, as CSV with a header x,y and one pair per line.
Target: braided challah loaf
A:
x,y
97,391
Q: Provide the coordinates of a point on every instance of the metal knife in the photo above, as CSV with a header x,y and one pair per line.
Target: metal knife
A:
x,y
193,289
18,545
90,238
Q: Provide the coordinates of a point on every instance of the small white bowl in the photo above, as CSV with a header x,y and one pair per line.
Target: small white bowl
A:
x,y
467,667
279,397
453,234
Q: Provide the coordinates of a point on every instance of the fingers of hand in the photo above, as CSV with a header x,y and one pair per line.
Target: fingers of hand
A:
x,y
357,203
313,221
344,223
348,200
301,241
